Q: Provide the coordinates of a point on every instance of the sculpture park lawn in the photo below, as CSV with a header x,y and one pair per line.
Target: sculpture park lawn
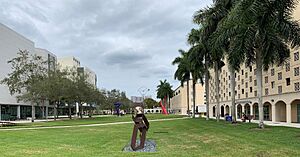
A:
x,y
181,137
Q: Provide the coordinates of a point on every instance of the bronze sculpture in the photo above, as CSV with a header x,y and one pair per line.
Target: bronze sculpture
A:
x,y
140,124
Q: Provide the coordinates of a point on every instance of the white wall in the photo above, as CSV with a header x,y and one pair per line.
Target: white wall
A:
x,y
10,44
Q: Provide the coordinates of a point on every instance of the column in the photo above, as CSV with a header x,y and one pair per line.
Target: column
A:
x,y
251,109
46,114
77,109
18,112
32,113
273,113
288,113
243,108
236,113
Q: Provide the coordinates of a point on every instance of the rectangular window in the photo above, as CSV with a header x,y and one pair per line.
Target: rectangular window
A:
x,y
279,89
266,91
246,84
229,94
238,77
242,81
272,84
287,67
288,81
246,75
239,96
255,83
250,78
242,72
280,76
254,71
266,79
255,93
296,71
272,72
296,56
250,89
239,87
246,95
242,91
250,68
297,86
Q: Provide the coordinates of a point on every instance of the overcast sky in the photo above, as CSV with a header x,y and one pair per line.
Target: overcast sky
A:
x,y
128,43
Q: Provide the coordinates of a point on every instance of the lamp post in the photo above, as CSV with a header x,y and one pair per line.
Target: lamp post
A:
x,y
143,90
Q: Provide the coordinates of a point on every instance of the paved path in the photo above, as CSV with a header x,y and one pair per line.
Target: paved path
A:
x,y
292,125
86,125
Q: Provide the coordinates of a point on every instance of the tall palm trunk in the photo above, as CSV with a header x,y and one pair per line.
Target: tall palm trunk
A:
x,y
217,89
194,98
259,88
232,89
207,88
188,97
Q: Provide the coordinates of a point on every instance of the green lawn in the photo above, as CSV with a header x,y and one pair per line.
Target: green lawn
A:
x,y
85,121
185,137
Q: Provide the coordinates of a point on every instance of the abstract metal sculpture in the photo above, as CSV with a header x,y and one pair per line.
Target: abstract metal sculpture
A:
x,y
140,124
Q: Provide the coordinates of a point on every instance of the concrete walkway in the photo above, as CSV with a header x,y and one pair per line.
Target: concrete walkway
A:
x,y
270,123
51,118
86,125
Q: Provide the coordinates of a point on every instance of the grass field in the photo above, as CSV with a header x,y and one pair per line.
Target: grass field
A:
x,y
184,137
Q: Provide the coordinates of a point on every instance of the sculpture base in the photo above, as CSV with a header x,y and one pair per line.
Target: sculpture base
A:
x,y
150,146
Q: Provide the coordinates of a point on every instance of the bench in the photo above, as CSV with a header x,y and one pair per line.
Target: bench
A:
x,y
247,117
5,124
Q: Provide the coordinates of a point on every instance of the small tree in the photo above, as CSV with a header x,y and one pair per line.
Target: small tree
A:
x,y
27,71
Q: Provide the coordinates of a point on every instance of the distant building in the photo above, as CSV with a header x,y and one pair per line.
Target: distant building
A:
x,y
74,63
136,99
178,103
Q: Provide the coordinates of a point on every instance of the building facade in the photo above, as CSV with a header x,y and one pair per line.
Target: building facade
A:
x,y
178,103
11,43
281,90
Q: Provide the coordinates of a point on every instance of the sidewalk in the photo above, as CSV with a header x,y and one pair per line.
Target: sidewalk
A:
x,y
270,123
51,118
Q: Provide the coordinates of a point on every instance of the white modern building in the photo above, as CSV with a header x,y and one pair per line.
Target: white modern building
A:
x,y
11,43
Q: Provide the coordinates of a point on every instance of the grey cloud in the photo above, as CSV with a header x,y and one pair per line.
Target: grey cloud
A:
x,y
126,58
135,39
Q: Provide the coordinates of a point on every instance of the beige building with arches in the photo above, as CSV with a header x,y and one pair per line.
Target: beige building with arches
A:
x,y
281,90
178,103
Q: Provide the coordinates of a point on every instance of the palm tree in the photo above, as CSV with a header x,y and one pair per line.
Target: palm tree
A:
x,y
209,20
194,39
197,70
164,92
261,34
183,72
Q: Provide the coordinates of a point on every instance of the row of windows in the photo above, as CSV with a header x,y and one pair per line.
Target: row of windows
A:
x,y
279,88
